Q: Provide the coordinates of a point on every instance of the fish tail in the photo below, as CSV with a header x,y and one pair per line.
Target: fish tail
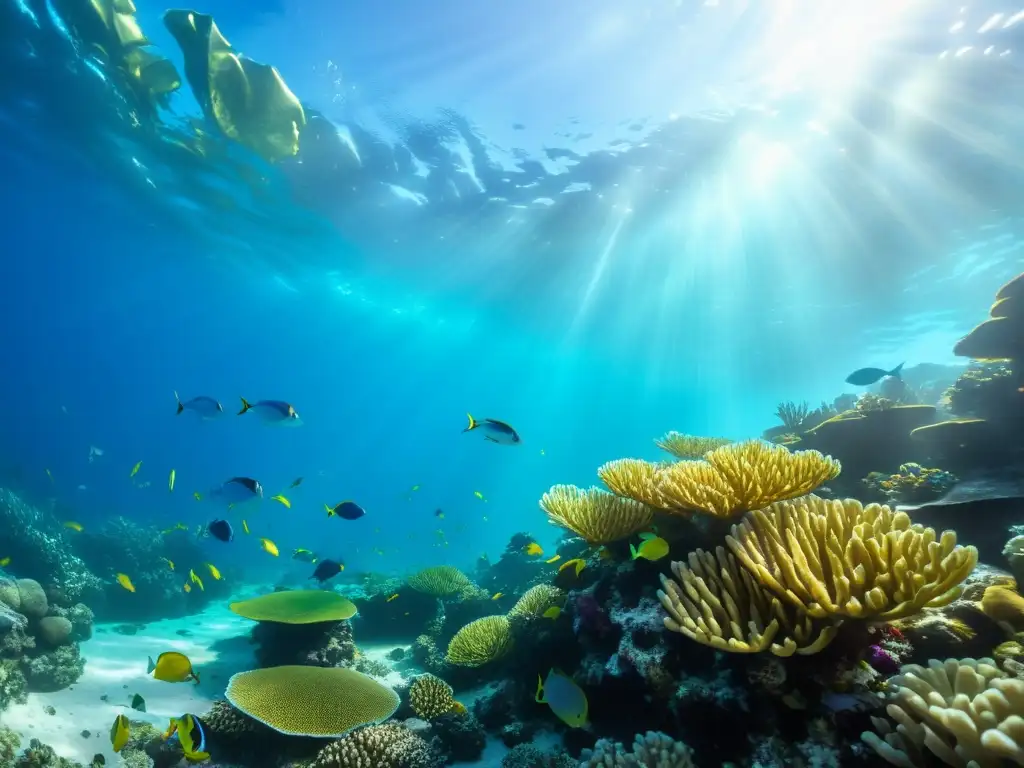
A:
x,y
634,554
539,695
895,372
472,423
150,666
245,406
330,512
180,406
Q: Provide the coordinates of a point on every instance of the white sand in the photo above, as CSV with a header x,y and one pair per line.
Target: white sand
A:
x,y
116,667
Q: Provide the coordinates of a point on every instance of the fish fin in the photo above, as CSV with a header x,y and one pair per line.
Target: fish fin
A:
x,y
488,437
197,757
150,665
539,695
330,511
472,423
634,554
245,405
648,535
180,406
895,372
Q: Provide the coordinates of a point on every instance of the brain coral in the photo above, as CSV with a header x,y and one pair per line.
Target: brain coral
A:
x,y
431,697
440,581
379,746
296,606
54,630
480,642
311,701
33,598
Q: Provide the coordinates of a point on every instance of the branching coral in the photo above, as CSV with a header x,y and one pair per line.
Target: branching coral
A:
x,y
744,476
649,750
431,697
689,446
595,515
440,581
634,479
841,559
792,415
965,712
480,642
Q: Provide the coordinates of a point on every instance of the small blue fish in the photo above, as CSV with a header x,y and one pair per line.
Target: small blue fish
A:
x,y
346,510
237,490
272,411
206,407
494,431
566,699
865,377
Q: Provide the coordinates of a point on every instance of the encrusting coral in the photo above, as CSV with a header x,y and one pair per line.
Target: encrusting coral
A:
x,y
378,746
965,712
597,516
431,697
799,569
311,701
440,581
689,446
480,642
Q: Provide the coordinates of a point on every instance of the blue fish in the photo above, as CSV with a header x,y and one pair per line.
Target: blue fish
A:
x,y
867,376
566,699
237,490
346,510
494,431
206,407
272,411
221,530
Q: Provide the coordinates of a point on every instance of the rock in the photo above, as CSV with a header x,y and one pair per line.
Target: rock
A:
x,y
9,594
33,598
54,631
10,618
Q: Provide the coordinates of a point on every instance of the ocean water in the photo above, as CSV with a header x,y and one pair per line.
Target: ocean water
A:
x,y
594,221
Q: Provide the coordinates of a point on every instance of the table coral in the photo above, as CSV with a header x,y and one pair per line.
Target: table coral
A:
x,y
595,515
689,446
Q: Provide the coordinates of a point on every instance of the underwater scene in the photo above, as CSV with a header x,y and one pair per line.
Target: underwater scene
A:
x,y
412,384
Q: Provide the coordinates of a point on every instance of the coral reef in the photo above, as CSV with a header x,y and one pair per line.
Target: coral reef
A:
x,y
431,697
381,746
440,581
460,737
912,484
529,756
595,515
327,644
481,642
689,446
651,750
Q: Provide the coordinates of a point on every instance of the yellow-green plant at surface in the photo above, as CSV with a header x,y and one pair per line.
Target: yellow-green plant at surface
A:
x,y
296,606
311,701
536,600
595,515
440,581
964,712
689,446
480,642
431,697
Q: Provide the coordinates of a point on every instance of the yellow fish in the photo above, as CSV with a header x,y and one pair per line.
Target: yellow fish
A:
x,y
552,613
170,563
125,582
414,488
576,563
5,562
269,547
479,495
213,571
533,548
245,526
498,595
554,559
49,474
197,495
119,733
170,480
187,587
566,699
171,667
195,579
391,598
652,547
135,469
191,736
281,499
73,526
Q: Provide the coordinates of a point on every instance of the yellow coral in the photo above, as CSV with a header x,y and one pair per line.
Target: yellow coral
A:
x,y
689,446
839,558
378,746
595,515
634,479
536,600
480,642
715,602
743,476
431,697
296,606
440,581
311,701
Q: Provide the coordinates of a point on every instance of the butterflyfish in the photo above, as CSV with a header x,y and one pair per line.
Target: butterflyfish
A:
x,y
73,526
272,411
188,730
119,733
125,582
135,469
652,547
533,549
282,500
346,510
494,431
213,571
170,480
171,667
269,547
205,407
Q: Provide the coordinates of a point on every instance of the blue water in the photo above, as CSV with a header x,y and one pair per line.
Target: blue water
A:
x,y
595,223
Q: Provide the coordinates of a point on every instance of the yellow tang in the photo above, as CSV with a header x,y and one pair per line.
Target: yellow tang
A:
x,y
554,559
533,548
269,547
576,563
74,526
213,571
119,733
5,561
282,500
172,667
245,526
498,595
170,480
566,699
125,582
552,613
135,469
652,547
